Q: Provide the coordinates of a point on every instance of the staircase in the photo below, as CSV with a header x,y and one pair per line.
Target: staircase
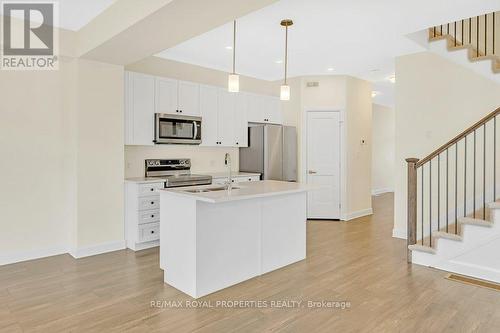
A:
x,y
453,214
472,42
478,36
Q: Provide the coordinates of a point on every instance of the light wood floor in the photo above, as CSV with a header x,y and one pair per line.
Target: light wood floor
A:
x,y
357,261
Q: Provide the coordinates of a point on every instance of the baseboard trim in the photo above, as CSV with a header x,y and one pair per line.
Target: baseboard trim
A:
x,y
20,256
92,250
398,233
379,191
357,214
143,246
468,269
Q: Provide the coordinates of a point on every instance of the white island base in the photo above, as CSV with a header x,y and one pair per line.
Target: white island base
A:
x,y
212,240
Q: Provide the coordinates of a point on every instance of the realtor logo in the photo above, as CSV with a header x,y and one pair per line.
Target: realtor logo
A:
x,y
28,36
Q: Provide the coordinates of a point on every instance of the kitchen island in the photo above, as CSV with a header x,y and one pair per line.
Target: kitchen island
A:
x,y
212,238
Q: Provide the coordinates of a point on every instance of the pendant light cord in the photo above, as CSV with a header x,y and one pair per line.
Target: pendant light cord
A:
x,y
234,47
286,51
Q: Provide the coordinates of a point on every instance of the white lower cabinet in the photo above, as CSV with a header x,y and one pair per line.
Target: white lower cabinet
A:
x,y
142,215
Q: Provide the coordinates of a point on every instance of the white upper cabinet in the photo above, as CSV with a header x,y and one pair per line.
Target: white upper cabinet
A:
x,y
240,120
139,109
188,98
273,110
225,115
166,95
255,108
177,97
209,115
227,108
264,109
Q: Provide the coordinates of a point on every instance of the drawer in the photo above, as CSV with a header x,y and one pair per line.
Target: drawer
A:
x,y
149,189
149,232
149,216
148,203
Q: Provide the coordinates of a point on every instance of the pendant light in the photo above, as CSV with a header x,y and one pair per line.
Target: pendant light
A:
x,y
233,83
285,88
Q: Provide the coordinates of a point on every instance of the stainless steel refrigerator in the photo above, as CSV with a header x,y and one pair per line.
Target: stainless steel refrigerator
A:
x,y
272,152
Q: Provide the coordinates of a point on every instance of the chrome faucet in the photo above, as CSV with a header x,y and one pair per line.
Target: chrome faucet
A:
x,y
227,163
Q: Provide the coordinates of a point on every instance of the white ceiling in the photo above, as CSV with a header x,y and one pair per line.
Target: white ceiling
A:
x,y
359,38
74,14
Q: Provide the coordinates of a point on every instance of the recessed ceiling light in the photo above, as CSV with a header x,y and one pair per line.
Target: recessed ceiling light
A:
x,y
392,78
229,47
330,69
279,61
375,93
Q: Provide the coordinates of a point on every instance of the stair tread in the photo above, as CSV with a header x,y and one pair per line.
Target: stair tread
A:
x,y
472,221
422,248
446,235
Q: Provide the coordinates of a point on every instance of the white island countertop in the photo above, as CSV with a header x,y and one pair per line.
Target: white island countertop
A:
x,y
240,191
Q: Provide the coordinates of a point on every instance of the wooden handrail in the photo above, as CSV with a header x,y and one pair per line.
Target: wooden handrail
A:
x,y
458,138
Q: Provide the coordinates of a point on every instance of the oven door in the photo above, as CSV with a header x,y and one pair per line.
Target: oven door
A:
x,y
177,129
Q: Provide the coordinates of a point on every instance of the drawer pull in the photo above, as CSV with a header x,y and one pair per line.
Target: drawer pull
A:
x,y
152,216
152,202
152,231
152,189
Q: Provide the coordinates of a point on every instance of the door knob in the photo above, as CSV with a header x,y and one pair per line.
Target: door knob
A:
x,y
311,172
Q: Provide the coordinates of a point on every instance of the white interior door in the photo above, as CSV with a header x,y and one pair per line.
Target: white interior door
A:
x,y
323,165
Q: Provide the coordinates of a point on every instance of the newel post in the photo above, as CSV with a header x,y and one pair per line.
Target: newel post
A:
x,y
411,236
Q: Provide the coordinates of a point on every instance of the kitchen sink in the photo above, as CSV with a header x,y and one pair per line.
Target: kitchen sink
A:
x,y
210,189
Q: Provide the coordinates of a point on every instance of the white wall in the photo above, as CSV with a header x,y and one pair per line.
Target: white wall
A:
x,y
435,101
100,149
383,149
61,171
33,175
353,97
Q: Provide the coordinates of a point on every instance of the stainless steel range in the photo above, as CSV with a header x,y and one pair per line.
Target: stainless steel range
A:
x,y
176,172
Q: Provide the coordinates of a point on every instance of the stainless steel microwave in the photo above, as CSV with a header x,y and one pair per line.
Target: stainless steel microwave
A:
x,y
177,129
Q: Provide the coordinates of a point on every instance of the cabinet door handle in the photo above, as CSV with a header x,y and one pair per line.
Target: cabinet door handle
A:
x,y
312,172
152,232
152,202
152,216
152,189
